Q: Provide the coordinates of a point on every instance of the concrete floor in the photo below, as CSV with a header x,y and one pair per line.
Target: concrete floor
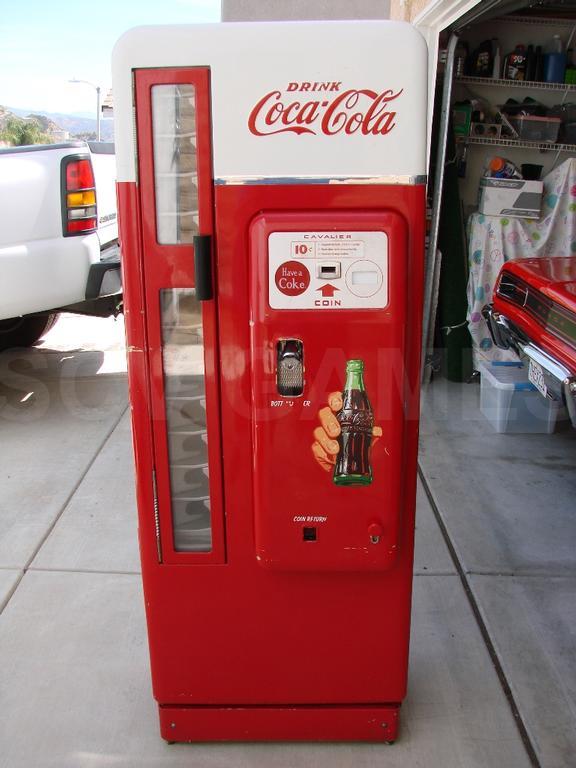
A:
x,y
493,663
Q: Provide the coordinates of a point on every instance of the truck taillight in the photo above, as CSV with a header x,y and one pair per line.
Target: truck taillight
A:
x,y
78,196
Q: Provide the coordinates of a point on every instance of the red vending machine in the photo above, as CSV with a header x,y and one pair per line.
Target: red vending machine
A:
x,y
272,204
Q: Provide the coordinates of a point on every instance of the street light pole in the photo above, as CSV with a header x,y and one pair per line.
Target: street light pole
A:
x,y
97,89
98,113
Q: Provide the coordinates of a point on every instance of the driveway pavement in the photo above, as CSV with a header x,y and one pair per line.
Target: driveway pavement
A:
x,y
493,673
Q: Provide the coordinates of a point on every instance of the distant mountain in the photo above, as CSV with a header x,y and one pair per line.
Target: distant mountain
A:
x,y
23,112
76,124
31,128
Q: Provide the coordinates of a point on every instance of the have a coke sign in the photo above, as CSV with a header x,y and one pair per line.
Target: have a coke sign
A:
x,y
292,278
324,108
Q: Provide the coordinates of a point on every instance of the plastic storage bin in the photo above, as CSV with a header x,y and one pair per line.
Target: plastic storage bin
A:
x,y
530,128
511,403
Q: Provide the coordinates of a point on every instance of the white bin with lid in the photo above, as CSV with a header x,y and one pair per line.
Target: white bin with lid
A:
x,y
511,403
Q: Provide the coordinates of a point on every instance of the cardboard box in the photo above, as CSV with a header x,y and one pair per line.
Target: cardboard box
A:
x,y
511,197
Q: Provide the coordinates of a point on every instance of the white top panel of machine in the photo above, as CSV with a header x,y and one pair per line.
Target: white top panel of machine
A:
x,y
293,100
328,270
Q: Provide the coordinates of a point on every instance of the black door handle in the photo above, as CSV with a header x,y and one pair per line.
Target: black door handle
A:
x,y
203,267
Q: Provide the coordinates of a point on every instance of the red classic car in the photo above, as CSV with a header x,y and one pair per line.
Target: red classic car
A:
x,y
534,314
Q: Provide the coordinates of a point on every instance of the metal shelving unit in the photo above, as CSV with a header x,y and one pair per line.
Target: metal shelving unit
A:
x,y
540,21
521,84
526,84
519,144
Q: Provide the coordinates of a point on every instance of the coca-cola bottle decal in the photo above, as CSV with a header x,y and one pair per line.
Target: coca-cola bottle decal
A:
x,y
346,434
356,421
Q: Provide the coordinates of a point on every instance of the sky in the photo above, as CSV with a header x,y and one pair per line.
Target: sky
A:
x,y
43,45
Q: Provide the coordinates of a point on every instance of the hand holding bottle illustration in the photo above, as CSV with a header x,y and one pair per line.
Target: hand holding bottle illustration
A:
x,y
346,433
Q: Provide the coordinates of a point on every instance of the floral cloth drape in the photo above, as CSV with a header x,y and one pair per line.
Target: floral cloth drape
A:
x,y
493,240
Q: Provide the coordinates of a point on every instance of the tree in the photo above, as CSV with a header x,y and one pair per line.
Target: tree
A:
x,y
19,132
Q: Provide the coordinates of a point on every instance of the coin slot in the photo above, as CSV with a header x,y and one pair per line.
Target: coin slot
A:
x,y
309,534
328,270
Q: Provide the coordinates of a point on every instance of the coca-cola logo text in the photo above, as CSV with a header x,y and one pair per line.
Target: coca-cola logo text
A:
x,y
356,421
352,110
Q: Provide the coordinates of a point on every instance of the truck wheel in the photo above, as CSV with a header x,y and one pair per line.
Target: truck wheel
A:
x,y
24,331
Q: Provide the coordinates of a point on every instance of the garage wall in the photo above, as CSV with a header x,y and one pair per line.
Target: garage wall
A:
x,y
407,10
281,10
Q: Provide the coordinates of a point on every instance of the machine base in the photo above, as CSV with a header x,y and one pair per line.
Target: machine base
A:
x,y
274,723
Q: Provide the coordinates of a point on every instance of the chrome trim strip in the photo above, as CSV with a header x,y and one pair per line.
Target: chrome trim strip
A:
x,y
389,179
433,258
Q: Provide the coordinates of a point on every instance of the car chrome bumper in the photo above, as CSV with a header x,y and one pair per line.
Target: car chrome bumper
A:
x,y
560,381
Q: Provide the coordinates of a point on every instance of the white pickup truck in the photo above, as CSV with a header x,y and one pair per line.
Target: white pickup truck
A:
x,y
58,237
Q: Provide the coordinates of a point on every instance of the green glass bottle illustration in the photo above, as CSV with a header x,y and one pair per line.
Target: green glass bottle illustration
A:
x,y
356,421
